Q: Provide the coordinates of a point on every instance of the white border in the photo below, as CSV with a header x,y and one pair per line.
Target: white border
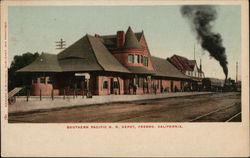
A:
x,y
195,139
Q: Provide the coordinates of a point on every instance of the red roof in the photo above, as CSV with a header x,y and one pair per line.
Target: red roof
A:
x,y
183,63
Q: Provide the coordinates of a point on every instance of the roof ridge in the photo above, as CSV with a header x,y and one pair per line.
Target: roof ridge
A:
x,y
93,50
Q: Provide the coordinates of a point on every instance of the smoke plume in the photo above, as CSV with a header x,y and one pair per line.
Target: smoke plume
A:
x,y
201,18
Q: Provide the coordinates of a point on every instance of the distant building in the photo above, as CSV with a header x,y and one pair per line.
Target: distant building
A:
x,y
187,67
105,65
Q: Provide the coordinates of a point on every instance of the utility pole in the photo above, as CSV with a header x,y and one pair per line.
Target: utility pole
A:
x,y
236,80
61,44
194,51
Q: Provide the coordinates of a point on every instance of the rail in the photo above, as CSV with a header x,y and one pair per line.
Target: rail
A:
x,y
215,111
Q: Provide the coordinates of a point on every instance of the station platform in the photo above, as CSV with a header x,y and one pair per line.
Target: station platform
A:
x,y
46,103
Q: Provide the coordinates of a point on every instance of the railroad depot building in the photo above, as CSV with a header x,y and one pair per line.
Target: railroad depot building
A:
x,y
105,65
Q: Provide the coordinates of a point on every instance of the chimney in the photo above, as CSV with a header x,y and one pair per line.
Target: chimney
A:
x,y
120,39
97,35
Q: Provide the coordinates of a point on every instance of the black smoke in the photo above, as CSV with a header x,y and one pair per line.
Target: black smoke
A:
x,y
201,18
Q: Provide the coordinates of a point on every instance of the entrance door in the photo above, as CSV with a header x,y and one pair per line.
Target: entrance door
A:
x,y
172,86
112,86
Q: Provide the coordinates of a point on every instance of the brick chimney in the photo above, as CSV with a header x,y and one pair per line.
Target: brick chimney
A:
x,y
120,39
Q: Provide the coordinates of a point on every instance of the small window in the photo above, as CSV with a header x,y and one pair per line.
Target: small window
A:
x,y
49,80
145,61
42,79
141,59
130,58
105,85
116,85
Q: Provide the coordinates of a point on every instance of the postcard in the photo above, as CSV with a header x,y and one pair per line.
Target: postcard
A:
x,y
125,78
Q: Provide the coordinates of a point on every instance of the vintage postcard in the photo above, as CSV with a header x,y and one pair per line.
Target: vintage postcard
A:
x,y
125,78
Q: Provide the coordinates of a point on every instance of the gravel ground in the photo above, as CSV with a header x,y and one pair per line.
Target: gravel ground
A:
x,y
181,109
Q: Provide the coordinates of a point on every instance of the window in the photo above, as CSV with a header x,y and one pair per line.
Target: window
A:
x,y
141,59
137,59
116,85
42,80
49,80
105,85
145,61
130,58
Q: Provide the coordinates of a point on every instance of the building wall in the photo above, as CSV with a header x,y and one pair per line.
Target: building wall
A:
x,y
101,90
146,51
43,89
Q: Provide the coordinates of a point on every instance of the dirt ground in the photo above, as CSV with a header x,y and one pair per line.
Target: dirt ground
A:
x,y
181,109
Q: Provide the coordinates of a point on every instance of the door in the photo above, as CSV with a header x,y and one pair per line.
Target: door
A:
x,y
172,86
111,86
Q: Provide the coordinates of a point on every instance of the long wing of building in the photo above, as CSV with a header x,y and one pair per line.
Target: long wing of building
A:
x,y
102,65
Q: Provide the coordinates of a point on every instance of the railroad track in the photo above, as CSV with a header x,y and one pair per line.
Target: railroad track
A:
x,y
216,111
233,117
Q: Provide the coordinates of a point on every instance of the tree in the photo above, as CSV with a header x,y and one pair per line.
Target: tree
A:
x,y
20,79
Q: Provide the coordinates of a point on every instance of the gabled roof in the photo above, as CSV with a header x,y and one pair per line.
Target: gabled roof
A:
x,y
104,57
44,63
79,57
131,40
183,63
166,69
86,54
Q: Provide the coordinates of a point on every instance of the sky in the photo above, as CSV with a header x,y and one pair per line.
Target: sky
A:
x,y
36,28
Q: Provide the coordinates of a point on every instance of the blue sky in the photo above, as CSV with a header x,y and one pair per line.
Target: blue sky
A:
x,y
36,28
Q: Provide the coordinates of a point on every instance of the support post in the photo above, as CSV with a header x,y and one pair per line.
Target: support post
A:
x,y
28,93
63,93
40,94
52,94
74,93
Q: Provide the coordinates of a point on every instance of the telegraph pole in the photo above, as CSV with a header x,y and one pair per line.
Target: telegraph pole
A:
x,y
194,51
61,44
236,71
